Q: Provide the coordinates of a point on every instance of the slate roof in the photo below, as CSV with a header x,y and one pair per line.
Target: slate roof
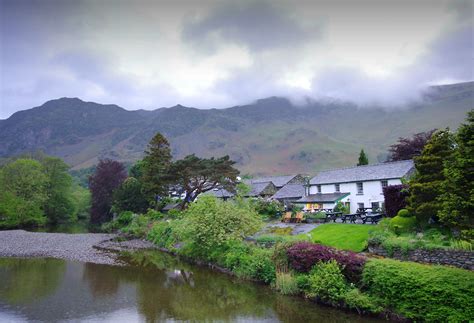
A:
x,y
221,192
278,181
258,188
390,170
322,198
289,191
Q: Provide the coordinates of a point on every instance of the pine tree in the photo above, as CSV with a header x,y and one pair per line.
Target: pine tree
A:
x,y
426,185
155,167
458,189
363,160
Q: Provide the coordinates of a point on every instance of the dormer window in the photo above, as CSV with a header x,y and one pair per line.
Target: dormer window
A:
x,y
337,188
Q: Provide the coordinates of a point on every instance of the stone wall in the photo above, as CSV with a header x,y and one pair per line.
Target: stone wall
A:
x,y
457,258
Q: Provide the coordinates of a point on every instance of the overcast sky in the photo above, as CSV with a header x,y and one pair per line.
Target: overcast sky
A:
x,y
214,54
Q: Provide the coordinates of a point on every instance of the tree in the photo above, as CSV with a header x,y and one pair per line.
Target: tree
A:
x,y
59,205
155,167
363,160
426,185
395,197
408,148
108,176
22,194
129,197
210,223
457,199
198,175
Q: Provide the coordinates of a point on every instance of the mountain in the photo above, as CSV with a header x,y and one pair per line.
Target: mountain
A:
x,y
270,136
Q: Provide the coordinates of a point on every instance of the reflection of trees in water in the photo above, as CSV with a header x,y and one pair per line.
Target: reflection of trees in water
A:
x,y
27,280
103,280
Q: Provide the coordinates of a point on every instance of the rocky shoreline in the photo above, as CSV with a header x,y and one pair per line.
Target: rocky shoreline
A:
x,y
98,248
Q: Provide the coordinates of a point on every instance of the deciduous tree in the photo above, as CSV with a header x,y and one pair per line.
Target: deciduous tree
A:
x,y
408,148
107,178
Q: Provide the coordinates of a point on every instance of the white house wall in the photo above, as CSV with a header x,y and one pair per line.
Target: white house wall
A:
x,y
372,193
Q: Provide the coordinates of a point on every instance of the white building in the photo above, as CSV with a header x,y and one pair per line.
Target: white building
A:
x,y
358,187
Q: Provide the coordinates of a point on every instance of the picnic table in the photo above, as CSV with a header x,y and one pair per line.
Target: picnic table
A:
x,y
373,218
332,216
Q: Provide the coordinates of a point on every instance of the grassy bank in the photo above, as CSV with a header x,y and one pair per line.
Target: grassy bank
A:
x,y
352,237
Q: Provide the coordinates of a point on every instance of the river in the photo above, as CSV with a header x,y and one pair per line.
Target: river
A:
x,y
154,287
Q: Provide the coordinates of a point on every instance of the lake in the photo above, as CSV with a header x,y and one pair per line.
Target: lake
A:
x,y
154,287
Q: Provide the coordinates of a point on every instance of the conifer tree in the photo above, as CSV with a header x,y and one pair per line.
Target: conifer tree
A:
x,y
363,160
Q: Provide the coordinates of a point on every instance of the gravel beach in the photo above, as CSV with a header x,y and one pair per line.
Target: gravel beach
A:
x,y
78,247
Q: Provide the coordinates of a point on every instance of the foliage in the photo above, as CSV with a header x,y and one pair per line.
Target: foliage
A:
x,y
457,199
404,213
155,167
210,223
343,236
256,264
23,194
107,178
327,283
59,205
286,283
129,197
340,207
395,198
162,234
363,160
81,176
81,198
400,224
302,256
138,227
421,292
409,148
361,302
272,208
198,175
426,185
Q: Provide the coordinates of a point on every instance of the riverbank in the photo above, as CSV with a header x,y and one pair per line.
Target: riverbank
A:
x,y
77,247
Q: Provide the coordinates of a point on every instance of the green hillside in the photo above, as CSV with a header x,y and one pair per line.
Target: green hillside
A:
x,y
270,136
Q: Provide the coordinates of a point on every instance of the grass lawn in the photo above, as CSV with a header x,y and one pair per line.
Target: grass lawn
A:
x,y
342,236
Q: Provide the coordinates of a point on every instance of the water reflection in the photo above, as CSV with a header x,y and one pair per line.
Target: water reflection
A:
x,y
154,288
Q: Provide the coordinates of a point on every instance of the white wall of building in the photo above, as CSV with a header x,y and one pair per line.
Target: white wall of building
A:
x,y
372,192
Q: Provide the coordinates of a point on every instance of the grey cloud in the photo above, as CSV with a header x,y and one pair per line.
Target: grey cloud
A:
x,y
257,25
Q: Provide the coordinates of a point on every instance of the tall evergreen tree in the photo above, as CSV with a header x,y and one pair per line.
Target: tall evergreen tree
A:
x,y
458,197
155,167
363,160
426,185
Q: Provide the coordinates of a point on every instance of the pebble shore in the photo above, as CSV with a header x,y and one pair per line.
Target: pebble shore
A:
x,y
77,247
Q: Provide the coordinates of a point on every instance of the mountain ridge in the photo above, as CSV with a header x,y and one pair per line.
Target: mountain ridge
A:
x,y
269,136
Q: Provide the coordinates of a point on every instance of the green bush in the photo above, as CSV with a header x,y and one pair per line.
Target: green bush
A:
x,y
327,283
361,302
403,213
125,218
161,234
421,292
257,265
138,227
286,283
154,215
400,224
302,281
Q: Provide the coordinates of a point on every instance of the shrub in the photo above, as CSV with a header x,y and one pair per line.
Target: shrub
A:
x,y
303,256
286,283
302,281
363,303
400,224
395,198
327,283
154,215
125,218
422,292
256,265
404,213
138,227
161,234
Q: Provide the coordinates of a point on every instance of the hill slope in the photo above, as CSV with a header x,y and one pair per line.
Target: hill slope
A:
x,y
270,136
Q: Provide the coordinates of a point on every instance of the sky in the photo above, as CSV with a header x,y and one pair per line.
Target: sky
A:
x,y
214,54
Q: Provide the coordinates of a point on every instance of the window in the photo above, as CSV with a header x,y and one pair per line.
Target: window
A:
x,y
360,188
360,206
319,188
375,206
384,184
337,188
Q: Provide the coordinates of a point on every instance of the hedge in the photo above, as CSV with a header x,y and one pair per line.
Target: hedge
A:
x,y
421,292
